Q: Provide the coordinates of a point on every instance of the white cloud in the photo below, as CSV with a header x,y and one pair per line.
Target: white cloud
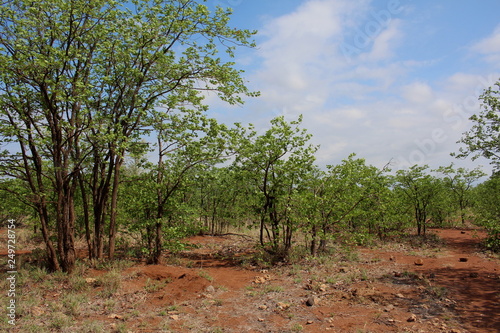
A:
x,y
367,102
384,43
489,47
418,93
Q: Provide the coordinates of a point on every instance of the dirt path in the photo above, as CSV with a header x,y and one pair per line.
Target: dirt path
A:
x,y
470,280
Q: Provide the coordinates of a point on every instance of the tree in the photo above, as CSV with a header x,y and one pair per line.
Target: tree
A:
x,y
483,139
487,210
341,198
419,190
220,198
185,141
77,81
275,164
460,184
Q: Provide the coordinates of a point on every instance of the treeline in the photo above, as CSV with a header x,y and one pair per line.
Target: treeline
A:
x,y
104,136
208,178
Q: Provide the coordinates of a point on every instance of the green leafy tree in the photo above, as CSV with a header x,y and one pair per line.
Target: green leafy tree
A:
x,y
343,197
419,190
79,77
187,142
275,163
459,184
483,139
487,210
221,199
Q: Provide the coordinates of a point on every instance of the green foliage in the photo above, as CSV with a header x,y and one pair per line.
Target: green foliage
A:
x,y
458,186
487,210
274,165
483,139
419,190
82,81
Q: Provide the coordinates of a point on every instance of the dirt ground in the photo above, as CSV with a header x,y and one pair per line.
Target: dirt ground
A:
x,y
215,287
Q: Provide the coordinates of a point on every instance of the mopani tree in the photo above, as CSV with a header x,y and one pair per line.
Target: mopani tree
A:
x,y
483,139
79,77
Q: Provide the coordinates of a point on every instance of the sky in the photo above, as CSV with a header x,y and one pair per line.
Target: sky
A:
x,y
390,80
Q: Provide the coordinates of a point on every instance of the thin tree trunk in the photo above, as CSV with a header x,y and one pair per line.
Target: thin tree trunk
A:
x,y
86,215
114,208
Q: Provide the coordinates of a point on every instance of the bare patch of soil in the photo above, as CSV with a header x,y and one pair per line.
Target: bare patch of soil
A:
x,y
216,287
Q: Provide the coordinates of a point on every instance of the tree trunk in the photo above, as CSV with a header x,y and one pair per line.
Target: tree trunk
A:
x,y
314,241
114,208
52,261
86,215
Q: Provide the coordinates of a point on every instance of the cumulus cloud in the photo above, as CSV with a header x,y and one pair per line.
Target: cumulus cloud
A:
x,y
489,47
338,62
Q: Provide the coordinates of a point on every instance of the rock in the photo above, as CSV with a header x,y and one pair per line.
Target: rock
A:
x,y
389,308
91,280
210,289
474,275
412,318
397,274
419,262
262,307
399,296
262,279
115,316
392,258
174,317
462,232
309,322
261,319
282,306
463,259
313,300
259,280
323,287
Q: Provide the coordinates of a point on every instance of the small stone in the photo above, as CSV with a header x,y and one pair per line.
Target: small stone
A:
x,y
309,322
397,274
91,280
313,300
392,258
210,289
261,319
115,316
389,308
463,259
412,318
323,287
174,317
399,296
462,232
419,262
282,306
262,307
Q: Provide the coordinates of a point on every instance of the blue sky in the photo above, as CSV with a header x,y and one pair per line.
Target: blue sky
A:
x,y
385,79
